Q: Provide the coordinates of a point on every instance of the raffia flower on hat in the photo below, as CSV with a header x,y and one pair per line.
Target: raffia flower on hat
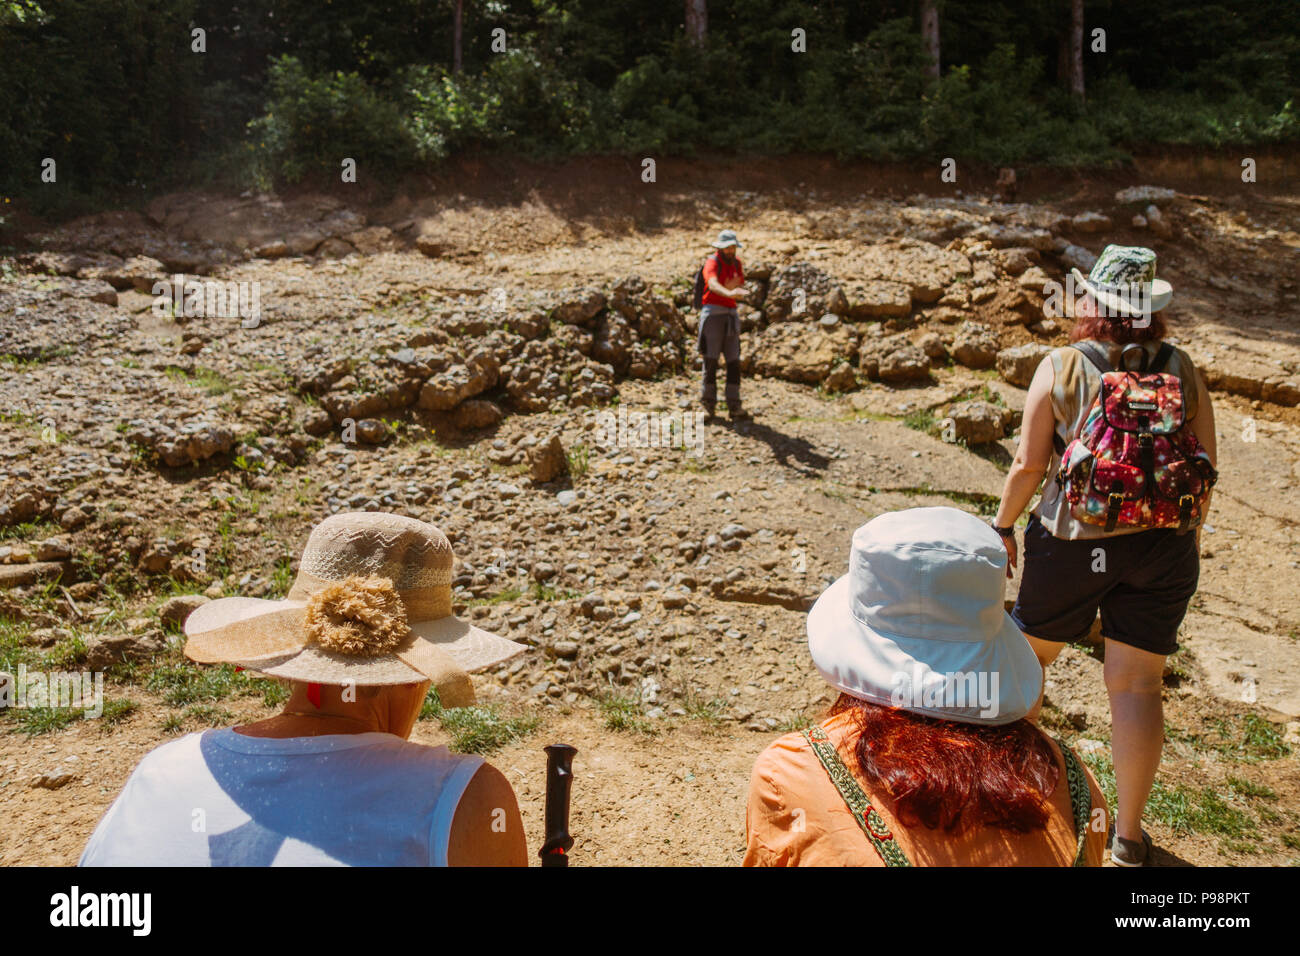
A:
x,y
360,616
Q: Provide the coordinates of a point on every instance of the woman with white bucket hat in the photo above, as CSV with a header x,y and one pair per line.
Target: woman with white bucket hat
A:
x,y
333,779
926,758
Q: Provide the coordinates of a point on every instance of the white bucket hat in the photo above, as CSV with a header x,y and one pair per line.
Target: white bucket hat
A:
x,y
919,621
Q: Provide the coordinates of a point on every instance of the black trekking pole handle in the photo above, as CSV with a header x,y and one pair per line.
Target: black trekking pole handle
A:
x,y
559,780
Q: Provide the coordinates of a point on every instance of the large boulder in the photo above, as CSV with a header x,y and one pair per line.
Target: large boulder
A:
x,y
894,359
802,353
103,651
580,307
177,447
477,413
926,270
879,299
802,291
448,389
975,346
977,422
1018,363
546,460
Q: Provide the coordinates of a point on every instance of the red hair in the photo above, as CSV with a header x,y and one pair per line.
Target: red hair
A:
x,y
953,776
1091,324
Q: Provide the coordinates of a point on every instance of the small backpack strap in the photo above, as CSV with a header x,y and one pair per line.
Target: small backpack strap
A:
x,y
1080,798
863,812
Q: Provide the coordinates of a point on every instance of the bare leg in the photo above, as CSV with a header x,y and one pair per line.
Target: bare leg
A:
x,y
1046,652
1133,681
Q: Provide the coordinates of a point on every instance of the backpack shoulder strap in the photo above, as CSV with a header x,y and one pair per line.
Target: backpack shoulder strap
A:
x,y
863,812
1080,799
1094,354
1162,357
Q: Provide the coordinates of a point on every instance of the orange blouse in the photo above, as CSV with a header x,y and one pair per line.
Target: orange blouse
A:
x,y
796,817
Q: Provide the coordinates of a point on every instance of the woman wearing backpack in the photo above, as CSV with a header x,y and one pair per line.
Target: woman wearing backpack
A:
x,y
1121,426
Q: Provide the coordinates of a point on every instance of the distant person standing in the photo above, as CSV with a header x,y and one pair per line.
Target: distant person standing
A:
x,y
718,285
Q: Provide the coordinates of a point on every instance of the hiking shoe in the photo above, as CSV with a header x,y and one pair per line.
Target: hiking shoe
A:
x,y
1129,852
738,413
710,408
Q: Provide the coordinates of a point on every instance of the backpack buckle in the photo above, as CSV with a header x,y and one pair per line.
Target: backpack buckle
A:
x,y
1114,501
1185,505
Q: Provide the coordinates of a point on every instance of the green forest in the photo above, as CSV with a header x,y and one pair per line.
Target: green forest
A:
x,y
136,96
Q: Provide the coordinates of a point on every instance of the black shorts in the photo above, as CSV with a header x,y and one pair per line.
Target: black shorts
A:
x,y
1140,581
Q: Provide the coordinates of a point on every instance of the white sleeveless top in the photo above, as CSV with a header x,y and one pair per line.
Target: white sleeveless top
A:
x,y
219,798
1075,387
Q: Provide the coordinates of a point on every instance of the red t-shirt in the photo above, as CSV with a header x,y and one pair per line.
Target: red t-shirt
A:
x,y
716,267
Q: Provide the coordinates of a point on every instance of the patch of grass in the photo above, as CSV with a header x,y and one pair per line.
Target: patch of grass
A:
x,y
281,578
921,420
210,715
1247,738
69,651
1103,769
794,722
173,723
33,721
182,683
207,379
275,692
710,710
13,644
29,530
1248,789
545,592
116,711
986,505
622,712
509,594
480,729
578,459
1186,811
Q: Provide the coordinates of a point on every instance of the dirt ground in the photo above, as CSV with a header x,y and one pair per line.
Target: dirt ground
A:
x,y
729,669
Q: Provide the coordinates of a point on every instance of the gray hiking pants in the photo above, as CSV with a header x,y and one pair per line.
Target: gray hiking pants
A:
x,y
720,337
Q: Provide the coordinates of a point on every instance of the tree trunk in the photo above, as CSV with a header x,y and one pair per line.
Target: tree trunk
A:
x,y
697,21
930,35
457,18
1076,49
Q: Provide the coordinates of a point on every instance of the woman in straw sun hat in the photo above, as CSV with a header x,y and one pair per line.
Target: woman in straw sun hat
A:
x,y
1122,428
926,758
332,780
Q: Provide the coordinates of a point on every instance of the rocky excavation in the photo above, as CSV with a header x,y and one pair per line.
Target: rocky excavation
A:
x,y
451,360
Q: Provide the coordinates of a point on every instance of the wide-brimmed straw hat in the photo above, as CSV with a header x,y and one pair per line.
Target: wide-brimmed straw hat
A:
x,y
371,605
1123,279
919,623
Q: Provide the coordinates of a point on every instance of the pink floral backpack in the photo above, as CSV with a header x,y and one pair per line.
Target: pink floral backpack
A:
x,y
1136,463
